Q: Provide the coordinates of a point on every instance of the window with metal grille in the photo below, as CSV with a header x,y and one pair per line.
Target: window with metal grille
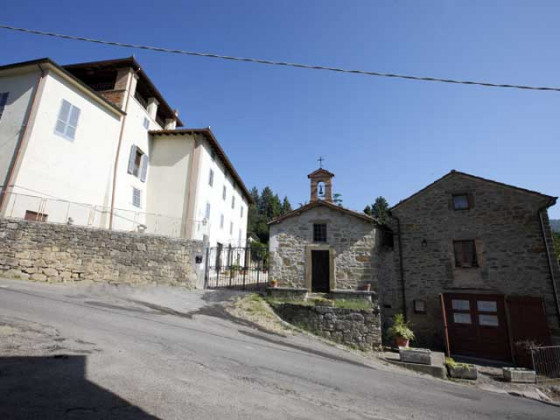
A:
x,y
3,102
320,232
136,197
465,254
67,122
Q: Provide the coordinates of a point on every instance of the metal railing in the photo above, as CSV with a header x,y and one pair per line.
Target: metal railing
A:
x,y
55,210
546,363
235,267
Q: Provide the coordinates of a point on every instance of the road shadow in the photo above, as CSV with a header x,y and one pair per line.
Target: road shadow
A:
x,y
55,387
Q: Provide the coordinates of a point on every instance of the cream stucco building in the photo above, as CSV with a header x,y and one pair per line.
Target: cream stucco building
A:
x,y
96,144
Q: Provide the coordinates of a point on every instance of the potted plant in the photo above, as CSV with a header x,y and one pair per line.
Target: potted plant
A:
x,y
273,283
401,331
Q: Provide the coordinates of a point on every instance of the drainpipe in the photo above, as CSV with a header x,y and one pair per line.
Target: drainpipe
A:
x,y
12,169
401,267
549,258
115,168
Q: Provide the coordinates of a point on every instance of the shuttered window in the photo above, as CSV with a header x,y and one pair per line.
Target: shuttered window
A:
x,y
3,102
138,163
465,254
136,197
67,122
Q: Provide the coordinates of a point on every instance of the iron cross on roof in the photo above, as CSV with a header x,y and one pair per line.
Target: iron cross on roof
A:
x,y
320,161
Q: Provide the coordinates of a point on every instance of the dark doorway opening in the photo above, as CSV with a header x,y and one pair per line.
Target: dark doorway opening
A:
x,y
320,271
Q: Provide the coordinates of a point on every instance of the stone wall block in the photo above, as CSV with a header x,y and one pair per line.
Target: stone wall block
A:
x,y
56,253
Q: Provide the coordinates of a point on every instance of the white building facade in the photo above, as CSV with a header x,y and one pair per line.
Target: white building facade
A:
x,y
96,144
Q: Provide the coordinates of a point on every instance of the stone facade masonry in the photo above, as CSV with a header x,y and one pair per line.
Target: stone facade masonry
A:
x,y
61,253
512,260
353,244
355,328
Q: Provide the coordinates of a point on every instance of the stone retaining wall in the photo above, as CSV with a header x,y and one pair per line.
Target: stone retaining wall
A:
x,y
351,327
61,253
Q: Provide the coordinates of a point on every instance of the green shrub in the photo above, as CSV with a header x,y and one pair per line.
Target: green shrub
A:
x,y
401,328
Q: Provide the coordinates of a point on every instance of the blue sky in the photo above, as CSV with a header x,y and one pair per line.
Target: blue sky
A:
x,y
379,136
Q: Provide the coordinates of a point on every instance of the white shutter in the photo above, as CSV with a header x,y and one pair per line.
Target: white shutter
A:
x,y
131,159
144,169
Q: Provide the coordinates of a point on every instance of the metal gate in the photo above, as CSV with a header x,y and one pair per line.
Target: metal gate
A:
x,y
236,268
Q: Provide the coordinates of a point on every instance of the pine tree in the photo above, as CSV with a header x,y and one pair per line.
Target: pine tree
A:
x,y
367,210
380,210
286,206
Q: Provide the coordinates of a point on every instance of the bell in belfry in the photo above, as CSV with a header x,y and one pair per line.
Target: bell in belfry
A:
x,y
321,192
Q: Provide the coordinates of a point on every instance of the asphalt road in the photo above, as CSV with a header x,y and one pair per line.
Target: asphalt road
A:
x,y
105,352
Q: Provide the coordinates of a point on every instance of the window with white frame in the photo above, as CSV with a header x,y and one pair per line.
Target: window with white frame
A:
x,y
233,201
3,102
207,214
224,193
67,122
138,163
136,197
221,221
211,178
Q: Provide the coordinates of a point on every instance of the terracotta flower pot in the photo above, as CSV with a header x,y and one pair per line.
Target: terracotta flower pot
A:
x,y
401,342
273,283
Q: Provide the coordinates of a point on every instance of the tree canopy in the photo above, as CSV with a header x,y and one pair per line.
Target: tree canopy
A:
x,y
379,209
267,207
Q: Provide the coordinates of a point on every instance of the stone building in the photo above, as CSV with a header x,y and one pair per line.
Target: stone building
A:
x,y
323,247
480,253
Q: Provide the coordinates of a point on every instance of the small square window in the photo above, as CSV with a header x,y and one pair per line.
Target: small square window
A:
x,y
319,232
420,306
465,254
461,202
136,197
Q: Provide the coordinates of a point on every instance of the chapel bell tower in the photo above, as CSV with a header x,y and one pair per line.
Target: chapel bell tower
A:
x,y
321,185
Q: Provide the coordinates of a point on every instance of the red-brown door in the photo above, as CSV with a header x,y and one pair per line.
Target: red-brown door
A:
x,y
529,326
477,325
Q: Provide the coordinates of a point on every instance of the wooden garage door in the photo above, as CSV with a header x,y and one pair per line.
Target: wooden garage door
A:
x,y
477,325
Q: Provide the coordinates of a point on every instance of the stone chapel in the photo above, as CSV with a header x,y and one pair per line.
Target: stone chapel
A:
x,y
324,247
